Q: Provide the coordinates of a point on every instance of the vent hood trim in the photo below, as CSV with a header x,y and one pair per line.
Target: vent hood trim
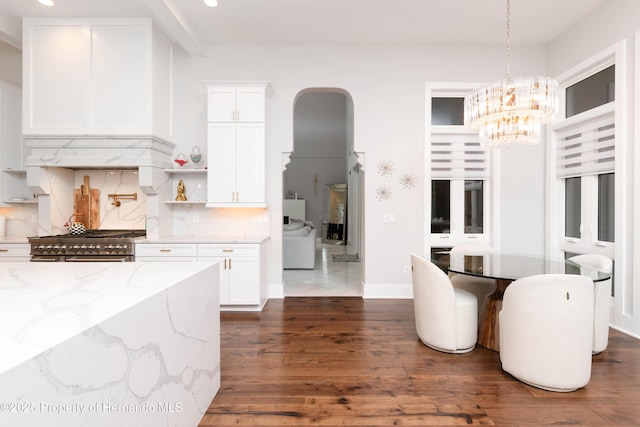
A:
x,y
91,152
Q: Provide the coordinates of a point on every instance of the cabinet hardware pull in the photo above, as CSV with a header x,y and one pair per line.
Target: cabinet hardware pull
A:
x,y
227,250
229,263
4,250
165,250
225,263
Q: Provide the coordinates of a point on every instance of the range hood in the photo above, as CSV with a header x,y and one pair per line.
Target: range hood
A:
x,y
103,152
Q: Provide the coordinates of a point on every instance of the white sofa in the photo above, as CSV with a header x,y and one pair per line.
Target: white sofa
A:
x,y
299,245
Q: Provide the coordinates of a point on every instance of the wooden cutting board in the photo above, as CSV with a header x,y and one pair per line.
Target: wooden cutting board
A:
x,y
86,205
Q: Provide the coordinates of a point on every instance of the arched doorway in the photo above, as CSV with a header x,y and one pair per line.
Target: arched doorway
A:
x,y
323,179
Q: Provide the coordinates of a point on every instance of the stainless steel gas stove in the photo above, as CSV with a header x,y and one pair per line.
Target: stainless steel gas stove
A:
x,y
93,245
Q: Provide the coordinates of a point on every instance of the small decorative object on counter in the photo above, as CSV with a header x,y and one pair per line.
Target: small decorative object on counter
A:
x,y
196,155
181,159
181,196
74,226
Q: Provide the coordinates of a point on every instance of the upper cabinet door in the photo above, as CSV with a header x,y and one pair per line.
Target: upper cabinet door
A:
x,y
250,104
119,95
232,103
222,104
56,76
95,76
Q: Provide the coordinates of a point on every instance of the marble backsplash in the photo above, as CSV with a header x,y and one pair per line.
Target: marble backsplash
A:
x,y
131,214
188,219
21,220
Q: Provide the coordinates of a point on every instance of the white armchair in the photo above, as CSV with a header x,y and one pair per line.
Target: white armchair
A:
x,y
601,300
446,318
546,325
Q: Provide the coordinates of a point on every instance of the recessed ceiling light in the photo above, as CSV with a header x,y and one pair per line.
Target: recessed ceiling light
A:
x,y
46,2
211,3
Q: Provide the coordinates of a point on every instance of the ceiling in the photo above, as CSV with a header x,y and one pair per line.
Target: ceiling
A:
x,y
194,25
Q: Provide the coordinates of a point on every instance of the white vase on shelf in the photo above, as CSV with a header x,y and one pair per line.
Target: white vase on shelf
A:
x,y
196,155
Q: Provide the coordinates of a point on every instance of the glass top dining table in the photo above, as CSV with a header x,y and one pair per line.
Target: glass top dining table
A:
x,y
510,267
504,269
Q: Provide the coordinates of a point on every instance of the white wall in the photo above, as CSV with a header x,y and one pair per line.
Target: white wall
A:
x,y
387,87
10,64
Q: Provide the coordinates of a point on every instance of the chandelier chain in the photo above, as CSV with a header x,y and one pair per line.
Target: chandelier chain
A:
x,y
508,40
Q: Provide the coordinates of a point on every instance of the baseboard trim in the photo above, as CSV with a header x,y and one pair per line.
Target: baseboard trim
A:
x,y
387,291
276,291
377,291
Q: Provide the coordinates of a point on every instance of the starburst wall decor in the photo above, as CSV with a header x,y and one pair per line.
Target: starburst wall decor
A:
x,y
408,181
385,168
383,193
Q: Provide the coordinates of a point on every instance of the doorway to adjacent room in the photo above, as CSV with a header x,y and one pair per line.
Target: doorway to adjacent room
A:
x,y
323,160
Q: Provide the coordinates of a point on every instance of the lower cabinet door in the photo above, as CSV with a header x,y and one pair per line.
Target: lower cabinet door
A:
x,y
224,275
243,281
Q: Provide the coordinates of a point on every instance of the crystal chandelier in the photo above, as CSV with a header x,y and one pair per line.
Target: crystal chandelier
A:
x,y
511,111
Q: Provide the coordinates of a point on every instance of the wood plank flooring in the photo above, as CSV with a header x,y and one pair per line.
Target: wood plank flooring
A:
x,y
349,361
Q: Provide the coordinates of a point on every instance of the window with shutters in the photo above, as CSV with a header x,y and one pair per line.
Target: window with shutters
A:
x,y
459,171
585,143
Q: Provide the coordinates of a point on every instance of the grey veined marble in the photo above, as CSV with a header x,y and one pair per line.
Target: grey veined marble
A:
x,y
108,344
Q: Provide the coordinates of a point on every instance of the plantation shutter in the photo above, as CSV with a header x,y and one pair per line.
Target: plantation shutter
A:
x,y
586,143
457,155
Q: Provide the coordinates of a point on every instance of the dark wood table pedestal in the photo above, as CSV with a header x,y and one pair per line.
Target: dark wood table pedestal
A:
x,y
488,325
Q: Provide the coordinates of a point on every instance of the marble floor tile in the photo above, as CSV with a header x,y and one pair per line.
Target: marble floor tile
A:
x,y
329,278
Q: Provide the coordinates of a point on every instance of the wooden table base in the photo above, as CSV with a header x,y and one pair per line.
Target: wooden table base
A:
x,y
488,325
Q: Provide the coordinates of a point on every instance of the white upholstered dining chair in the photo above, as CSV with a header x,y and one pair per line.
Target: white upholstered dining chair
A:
x,y
546,326
601,299
478,286
446,318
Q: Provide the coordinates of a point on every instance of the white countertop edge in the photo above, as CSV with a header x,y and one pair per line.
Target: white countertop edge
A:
x,y
13,239
205,239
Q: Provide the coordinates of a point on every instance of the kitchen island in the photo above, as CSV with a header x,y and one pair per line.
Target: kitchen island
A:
x,y
106,344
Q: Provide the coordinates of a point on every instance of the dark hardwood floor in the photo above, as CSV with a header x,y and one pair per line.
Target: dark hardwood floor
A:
x,y
348,361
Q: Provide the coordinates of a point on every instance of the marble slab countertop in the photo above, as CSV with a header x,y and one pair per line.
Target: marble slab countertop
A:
x,y
6,239
205,239
44,304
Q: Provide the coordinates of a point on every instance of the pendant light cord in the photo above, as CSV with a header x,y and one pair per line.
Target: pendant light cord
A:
x,y
508,40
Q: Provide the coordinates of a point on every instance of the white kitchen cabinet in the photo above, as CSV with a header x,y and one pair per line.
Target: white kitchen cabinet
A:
x,y
96,76
240,271
236,175
243,273
233,103
11,252
236,142
12,150
170,252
